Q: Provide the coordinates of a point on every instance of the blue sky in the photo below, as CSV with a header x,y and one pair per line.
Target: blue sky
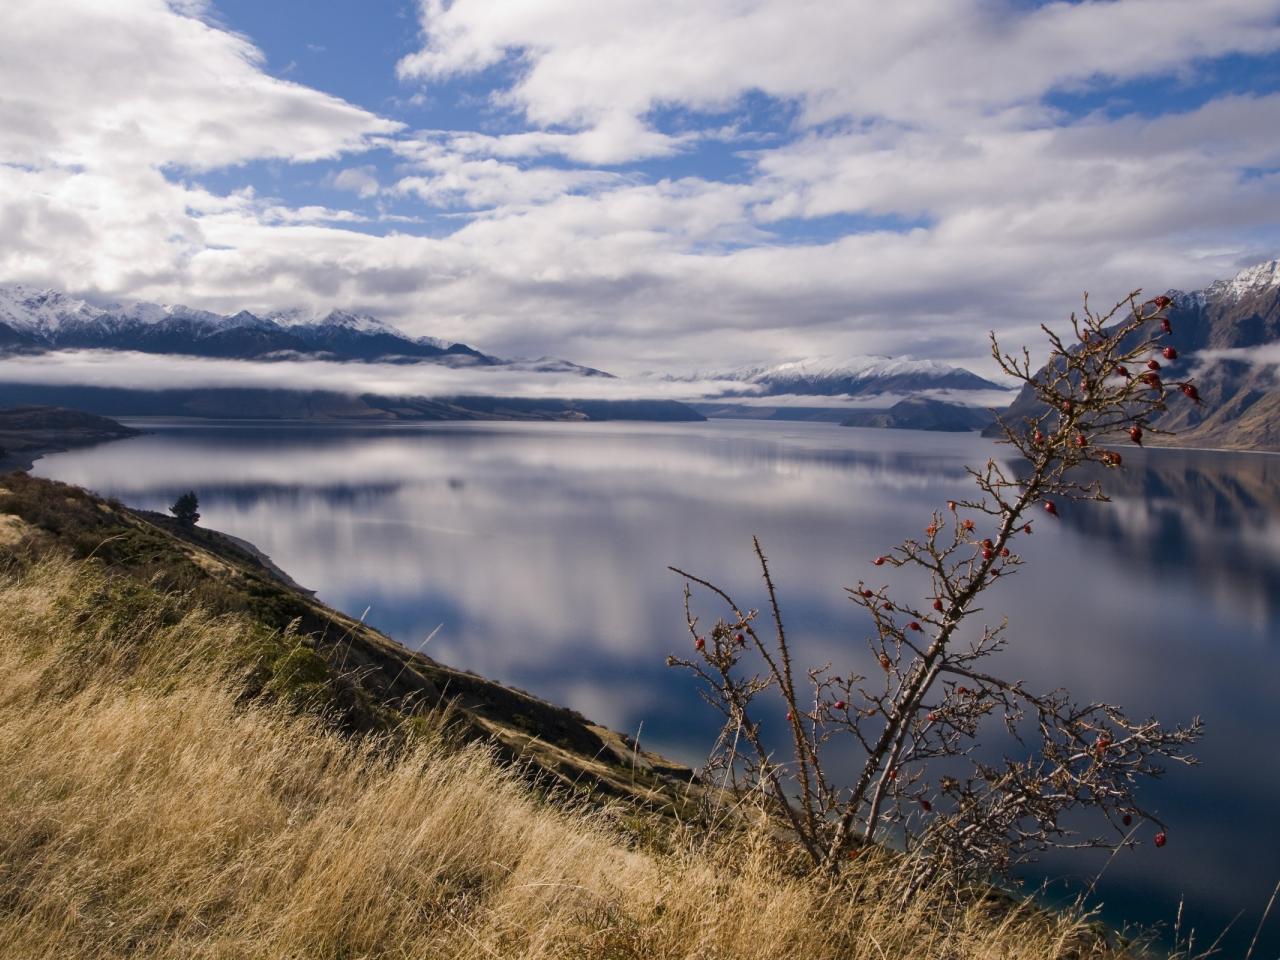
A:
x,y
648,185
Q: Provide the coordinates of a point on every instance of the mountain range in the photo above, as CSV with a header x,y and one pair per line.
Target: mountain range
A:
x,y
40,320
1227,337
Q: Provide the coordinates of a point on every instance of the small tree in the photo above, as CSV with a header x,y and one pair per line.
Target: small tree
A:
x,y
917,726
186,509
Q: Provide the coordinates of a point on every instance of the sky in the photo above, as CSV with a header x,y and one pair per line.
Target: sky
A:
x,y
662,185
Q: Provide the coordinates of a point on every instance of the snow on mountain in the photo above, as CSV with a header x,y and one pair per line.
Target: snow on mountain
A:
x,y
34,319
1249,282
1255,279
36,312
849,376
356,322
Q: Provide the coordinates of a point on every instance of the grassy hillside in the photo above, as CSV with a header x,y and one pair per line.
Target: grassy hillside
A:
x,y
197,760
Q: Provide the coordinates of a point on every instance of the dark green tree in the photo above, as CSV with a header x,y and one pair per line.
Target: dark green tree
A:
x,y
186,509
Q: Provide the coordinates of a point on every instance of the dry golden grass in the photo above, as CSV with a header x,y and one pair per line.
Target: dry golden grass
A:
x,y
147,811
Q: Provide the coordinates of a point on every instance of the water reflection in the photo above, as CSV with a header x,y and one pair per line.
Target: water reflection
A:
x,y
542,549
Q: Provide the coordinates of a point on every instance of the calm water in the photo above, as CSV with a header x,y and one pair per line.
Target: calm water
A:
x,y
539,551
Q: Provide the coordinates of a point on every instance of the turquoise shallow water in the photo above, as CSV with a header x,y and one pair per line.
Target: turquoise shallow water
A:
x,y
537,555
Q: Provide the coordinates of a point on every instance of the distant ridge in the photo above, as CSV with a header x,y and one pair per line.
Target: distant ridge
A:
x,y
853,377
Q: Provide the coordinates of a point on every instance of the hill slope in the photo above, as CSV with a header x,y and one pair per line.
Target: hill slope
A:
x,y
193,780
378,685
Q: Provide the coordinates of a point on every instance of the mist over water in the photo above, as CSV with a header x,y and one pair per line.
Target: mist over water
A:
x,y
540,553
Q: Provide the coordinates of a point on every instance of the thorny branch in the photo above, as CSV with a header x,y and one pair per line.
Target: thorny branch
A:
x,y
918,728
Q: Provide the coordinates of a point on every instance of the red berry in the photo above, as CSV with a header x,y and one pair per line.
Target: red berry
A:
x,y
868,594
937,605
788,716
925,805
1135,434
839,705
1067,406
1161,302
967,524
987,554
1039,437
1081,440
1153,365
1127,820
1165,325
1170,353
932,717
885,663
699,643
1191,392
1161,839
1122,371
963,691
878,561
1026,528
1050,508
986,543
1004,551
914,626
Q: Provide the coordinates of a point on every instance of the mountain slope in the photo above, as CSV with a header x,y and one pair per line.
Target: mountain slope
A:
x,y
1228,340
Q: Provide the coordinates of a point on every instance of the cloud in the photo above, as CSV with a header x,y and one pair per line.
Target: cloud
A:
x,y
362,181
445,177
96,85
939,62
144,371
665,186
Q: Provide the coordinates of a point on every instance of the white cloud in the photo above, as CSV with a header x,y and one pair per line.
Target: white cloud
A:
x,y
445,177
939,62
548,241
145,371
362,181
99,85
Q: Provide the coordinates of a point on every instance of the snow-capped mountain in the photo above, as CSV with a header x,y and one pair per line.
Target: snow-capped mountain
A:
x,y
34,320
1228,339
853,376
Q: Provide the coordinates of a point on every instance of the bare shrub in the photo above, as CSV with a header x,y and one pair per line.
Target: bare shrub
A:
x,y
919,725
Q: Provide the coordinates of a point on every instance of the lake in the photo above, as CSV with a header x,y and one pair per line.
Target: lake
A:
x,y
537,554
